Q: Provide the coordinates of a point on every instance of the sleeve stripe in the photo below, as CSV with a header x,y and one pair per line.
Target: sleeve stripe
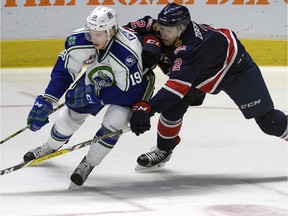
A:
x,y
211,84
178,87
51,97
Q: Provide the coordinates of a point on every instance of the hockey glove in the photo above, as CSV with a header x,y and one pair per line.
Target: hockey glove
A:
x,y
151,52
38,115
81,96
140,118
197,97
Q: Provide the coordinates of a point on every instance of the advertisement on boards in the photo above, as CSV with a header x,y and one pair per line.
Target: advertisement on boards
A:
x,y
55,19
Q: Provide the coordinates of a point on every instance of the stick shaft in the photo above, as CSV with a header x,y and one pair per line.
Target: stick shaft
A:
x,y
61,152
27,126
55,109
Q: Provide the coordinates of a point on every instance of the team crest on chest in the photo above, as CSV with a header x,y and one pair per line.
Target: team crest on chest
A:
x,y
101,76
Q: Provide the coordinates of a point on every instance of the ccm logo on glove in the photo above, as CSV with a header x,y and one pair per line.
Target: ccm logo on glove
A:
x,y
141,108
140,118
152,40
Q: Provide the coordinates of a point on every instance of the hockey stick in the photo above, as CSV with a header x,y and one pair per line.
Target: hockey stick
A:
x,y
23,129
61,152
55,109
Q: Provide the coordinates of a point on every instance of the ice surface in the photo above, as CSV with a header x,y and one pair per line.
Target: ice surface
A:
x,y
224,166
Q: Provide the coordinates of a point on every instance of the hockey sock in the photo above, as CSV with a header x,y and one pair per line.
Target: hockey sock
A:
x,y
285,135
100,149
167,136
64,127
56,140
273,122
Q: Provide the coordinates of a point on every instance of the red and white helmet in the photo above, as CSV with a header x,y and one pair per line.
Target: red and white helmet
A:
x,y
102,19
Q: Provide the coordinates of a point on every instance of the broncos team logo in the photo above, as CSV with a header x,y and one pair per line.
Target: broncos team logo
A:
x,y
101,76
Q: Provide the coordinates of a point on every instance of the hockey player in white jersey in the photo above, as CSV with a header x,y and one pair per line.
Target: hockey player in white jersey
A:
x,y
113,77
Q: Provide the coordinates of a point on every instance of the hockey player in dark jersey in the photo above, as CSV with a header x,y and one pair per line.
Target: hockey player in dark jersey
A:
x,y
198,56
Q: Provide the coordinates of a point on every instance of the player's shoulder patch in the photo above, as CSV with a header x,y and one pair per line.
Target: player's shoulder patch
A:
x,y
130,60
77,37
128,34
71,40
178,42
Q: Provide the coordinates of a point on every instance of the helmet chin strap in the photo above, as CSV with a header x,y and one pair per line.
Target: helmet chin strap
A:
x,y
110,36
181,29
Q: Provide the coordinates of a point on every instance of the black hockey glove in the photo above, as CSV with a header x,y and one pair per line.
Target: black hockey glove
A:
x,y
197,96
140,118
151,52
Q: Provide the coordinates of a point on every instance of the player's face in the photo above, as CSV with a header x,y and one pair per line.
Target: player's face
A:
x,y
169,34
99,38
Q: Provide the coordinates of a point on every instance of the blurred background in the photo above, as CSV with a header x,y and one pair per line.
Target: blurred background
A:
x,y
33,31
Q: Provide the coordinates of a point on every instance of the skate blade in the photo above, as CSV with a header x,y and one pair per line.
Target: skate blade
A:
x,y
73,186
142,168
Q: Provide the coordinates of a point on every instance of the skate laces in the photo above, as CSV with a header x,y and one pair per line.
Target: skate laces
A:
x,y
84,168
156,155
42,151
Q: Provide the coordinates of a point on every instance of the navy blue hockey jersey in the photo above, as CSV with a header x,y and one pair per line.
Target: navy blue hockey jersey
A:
x,y
200,58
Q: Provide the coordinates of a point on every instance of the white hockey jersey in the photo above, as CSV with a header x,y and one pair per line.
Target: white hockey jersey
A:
x,y
116,69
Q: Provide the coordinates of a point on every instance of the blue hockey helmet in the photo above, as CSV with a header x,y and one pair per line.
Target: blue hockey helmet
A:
x,y
174,15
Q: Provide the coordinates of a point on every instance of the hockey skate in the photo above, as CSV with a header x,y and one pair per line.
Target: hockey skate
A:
x,y
81,173
37,153
153,159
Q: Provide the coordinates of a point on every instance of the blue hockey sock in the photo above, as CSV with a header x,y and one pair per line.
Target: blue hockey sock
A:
x,y
108,142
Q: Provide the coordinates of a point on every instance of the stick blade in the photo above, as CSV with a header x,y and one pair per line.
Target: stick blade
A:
x,y
73,186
